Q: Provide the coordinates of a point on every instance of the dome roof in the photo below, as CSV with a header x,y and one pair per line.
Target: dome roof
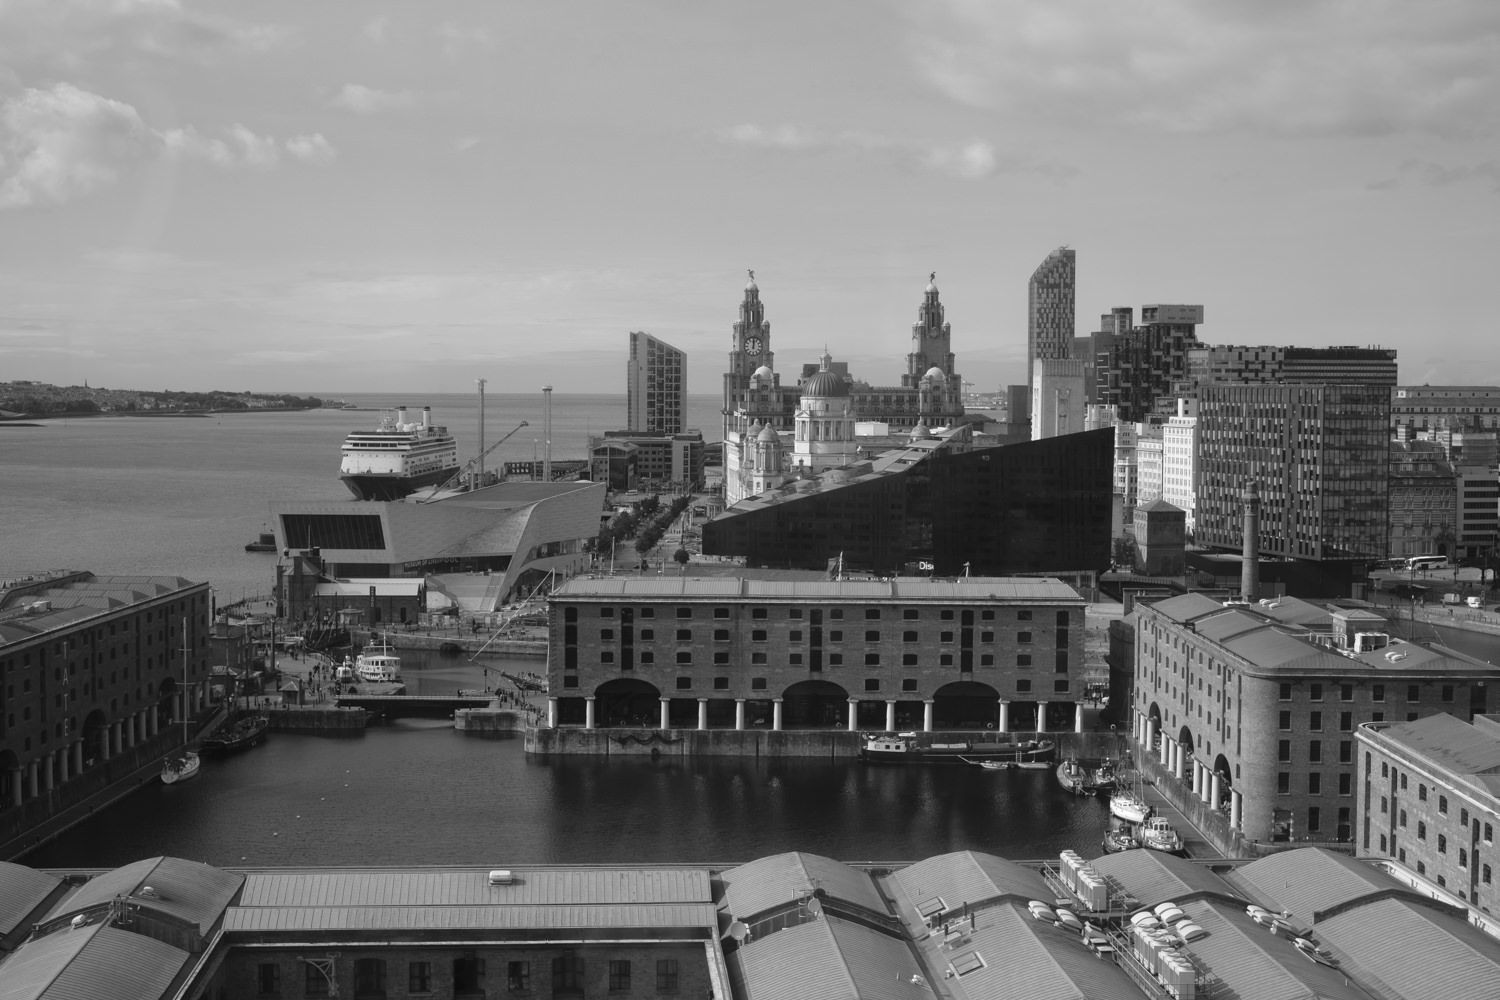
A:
x,y
766,434
935,372
931,286
764,371
825,383
921,433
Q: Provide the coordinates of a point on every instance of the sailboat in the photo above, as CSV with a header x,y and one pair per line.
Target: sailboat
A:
x,y
1128,800
184,765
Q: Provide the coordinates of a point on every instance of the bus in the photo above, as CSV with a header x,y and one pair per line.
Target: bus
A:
x,y
1426,562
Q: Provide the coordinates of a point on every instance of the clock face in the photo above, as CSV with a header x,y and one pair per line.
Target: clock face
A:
x,y
752,345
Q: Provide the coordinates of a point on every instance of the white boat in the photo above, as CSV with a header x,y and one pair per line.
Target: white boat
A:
x,y
1129,805
398,457
1158,835
179,768
377,663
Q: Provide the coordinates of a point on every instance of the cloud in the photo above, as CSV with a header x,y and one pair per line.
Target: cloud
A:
x,y
311,148
969,160
63,143
364,100
1313,67
1431,174
457,37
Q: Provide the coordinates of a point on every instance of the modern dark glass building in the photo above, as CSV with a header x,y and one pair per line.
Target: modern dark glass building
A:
x,y
1033,507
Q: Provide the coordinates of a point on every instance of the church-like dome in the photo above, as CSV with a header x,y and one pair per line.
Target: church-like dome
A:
x,y
825,383
921,433
766,434
937,373
764,371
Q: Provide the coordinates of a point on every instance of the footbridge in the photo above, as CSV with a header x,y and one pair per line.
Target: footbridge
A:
x,y
431,706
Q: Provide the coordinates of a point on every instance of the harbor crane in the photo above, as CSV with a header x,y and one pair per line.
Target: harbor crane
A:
x,y
472,464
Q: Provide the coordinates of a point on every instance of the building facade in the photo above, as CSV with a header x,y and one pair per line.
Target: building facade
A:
x,y
655,386
1254,707
704,653
655,461
1430,801
1320,457
1058,400
1478,511
1179,462
1209,364
1423,501
1050,325
1467,407
1144,364
98,672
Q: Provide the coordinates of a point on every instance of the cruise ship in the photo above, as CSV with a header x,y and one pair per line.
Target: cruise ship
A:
x,y
398,457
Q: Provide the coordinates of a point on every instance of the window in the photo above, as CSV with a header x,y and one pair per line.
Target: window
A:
x,y
1315,751
1060,687
1443,804
1284,721
1421,830
1023,685
720,635
1346,753
721,683
1314,819
872,659
518,977
1314,782
1413,692
666,975
1315,722
1346,784
835,635
419,977
945,637
567,974
684,635
1023,637
1421,792
606,612
835,614
1377,692
647,656
795,614
909,614
684,683
908,659
1023,659
872,683
795,635
1284,751
1286,692
1484,875
1401,818
369,977
684,612
684,656
1442,844
872,614
1315,692
986,637
1023,616
759,614
986,659
721,612
757,684
649,634
721,657
268,979
1403,782
872,635
314,982
909,684
758,635
1283,782
606,656
606,634
619,974
1447,692
835,659
1346,722
909,636
1346,692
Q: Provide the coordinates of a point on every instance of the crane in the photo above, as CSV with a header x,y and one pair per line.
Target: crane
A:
x,y
472,463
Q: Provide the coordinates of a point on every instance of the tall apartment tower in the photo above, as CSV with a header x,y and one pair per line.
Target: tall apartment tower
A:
x,y
1049,320
655,386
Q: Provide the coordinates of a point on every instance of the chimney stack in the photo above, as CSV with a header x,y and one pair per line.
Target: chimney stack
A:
x,y
1250,559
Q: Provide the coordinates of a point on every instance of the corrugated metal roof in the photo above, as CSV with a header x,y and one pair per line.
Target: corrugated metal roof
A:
x,y
187,889
1251,962
826,959
1153,877
586,886
22,890
967,877
768,882
1186,607
1415,952
1448,742
91,963
985,589
1025,959
421,917
1310,880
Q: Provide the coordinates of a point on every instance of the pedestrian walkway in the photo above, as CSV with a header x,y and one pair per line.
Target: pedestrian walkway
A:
x,y
1194,843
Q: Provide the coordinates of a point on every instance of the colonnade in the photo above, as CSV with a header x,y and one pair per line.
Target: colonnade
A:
x,y
42,774
1207,783
850,723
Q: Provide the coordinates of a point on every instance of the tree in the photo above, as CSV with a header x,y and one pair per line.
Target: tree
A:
x,y
681,556
1122,553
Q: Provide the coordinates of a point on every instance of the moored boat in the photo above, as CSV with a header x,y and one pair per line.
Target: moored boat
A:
x,y
398,457
1129,805
1072,775
179,767
1119,838
1101,778
1159,835
266,542
235,735
908,748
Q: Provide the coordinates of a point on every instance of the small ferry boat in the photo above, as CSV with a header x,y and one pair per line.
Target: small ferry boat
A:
x,y
378,663
1158,835
907,748
266,542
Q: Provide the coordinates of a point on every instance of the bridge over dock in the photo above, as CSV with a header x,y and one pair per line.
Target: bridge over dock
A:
x,y
431,706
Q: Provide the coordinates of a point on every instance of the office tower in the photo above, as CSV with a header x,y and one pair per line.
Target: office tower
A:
x,y
1212,363
1138,366
1319,456
1049,322
1464,407
1058,400
655,386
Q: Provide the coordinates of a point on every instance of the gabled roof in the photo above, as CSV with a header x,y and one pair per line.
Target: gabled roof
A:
x,y
778,880
91,962
188,890
968,877
1452,744
22,890
1414,951
1311,881
827,959
1152,877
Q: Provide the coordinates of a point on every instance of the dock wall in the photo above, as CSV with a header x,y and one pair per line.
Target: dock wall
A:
x,y
763,742
490,723
323,721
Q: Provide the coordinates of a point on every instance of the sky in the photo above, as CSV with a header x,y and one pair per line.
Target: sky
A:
x,y
330,195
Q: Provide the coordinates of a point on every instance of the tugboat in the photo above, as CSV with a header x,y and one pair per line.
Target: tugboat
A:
x,y
1158,835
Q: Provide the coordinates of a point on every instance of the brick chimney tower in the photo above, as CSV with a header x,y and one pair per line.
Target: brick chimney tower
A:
x,y
1250,559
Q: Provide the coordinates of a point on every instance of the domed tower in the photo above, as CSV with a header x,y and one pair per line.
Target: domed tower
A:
x,y
751,357
931,338
768,464
824,422
938,399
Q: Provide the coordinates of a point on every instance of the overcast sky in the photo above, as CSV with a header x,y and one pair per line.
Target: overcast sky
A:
x,y
328,195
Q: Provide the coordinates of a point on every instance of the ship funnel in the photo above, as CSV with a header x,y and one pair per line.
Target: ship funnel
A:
x,y
426,417
401,416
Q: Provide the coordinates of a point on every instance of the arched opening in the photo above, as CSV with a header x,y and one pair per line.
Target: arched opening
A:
x,y
1185,740
1154,715
1226,782
627,701
814,705
966,705
94,729
9,774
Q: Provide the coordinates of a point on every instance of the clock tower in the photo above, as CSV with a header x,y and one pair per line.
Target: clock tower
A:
x,y
750,352
931,339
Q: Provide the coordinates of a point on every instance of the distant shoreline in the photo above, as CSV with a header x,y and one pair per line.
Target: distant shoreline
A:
x,y
16,420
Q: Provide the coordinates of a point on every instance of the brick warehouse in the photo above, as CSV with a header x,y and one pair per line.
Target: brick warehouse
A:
x,y
700,653
1254,707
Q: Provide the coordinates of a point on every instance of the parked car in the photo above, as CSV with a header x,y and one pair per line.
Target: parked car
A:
x,y
1474,601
